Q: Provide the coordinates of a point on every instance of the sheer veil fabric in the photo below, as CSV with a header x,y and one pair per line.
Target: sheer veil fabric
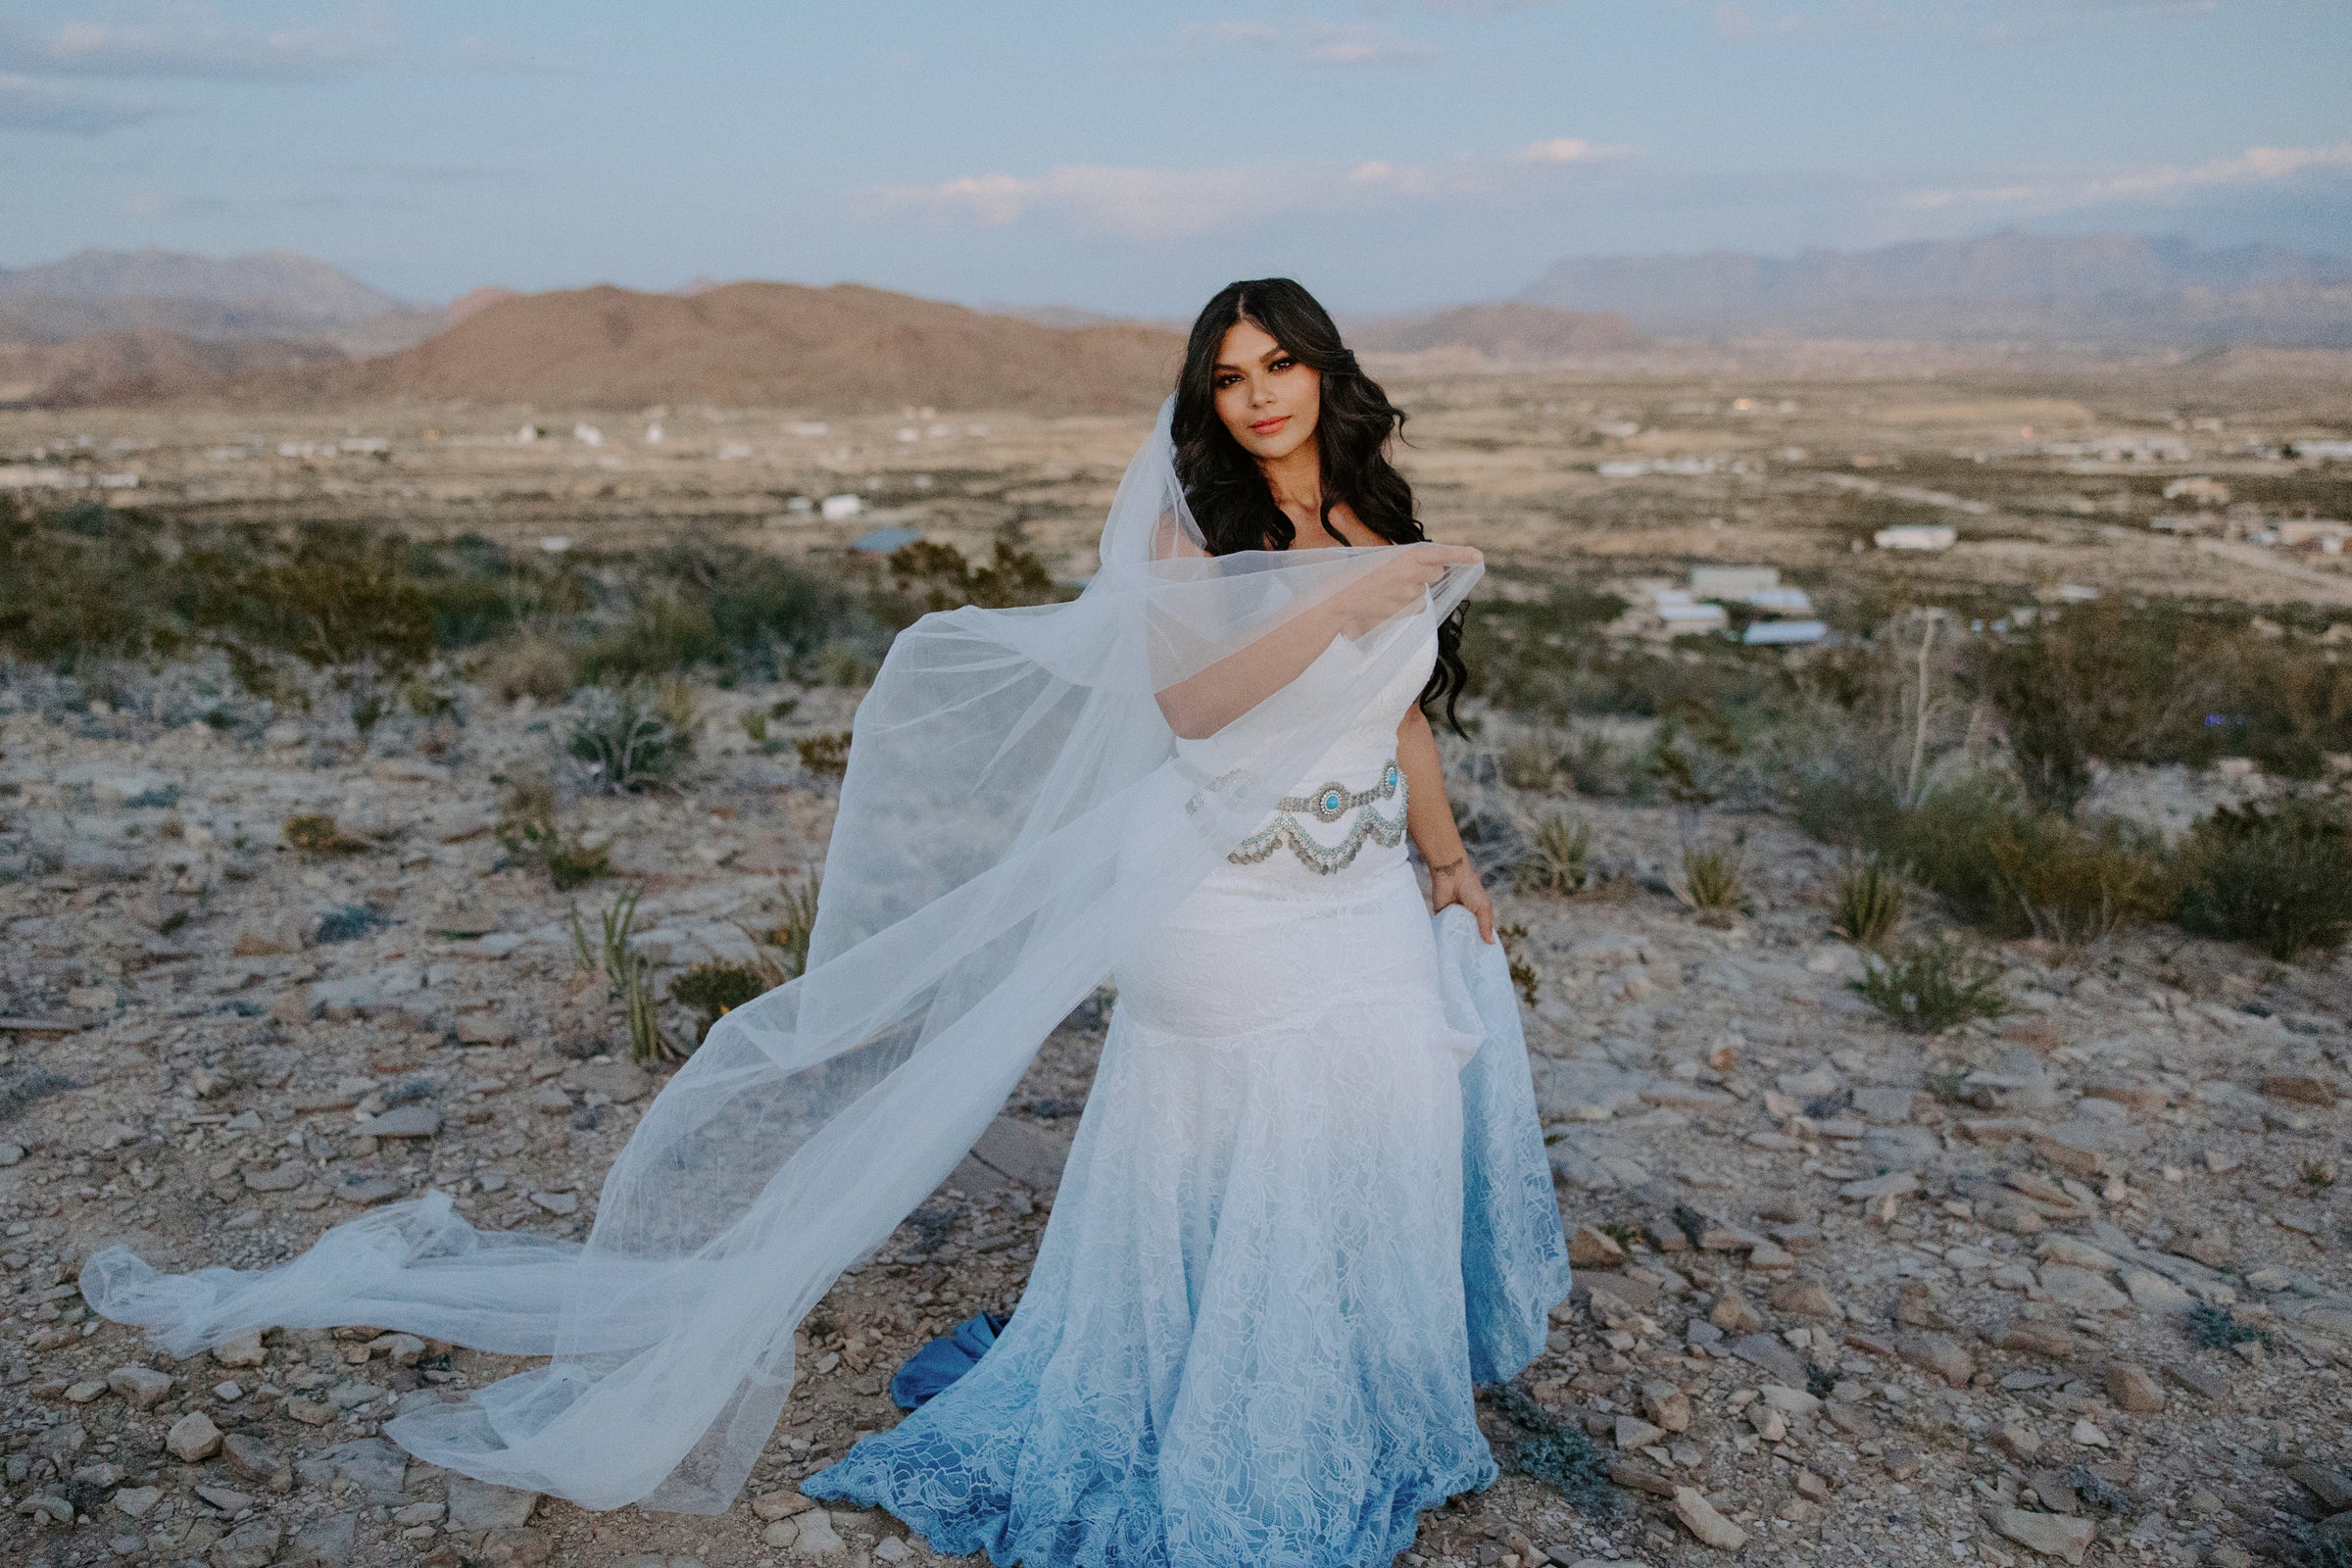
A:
x,y
1016,811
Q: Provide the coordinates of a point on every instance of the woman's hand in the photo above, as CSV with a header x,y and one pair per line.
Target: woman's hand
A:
x,y
1457,883
1397,584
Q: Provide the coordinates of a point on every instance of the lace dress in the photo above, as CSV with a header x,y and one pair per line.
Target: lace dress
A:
x,y
1252,1330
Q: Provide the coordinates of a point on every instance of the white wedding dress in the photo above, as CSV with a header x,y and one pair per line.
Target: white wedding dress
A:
x,y
1248,1337
1296,1226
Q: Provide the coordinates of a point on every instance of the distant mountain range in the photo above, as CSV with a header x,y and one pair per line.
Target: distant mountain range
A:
x,y
275,294
2104,289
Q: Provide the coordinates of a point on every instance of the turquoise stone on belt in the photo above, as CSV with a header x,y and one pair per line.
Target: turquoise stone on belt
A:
x,y
1329,804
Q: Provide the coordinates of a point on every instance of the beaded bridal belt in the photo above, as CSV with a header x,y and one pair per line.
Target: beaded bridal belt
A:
x,y
1329,802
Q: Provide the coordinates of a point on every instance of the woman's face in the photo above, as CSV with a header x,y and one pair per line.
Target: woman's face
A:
x,y
1267,399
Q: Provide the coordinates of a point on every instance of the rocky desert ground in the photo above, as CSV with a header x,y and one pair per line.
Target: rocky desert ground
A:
x,y
2066,1284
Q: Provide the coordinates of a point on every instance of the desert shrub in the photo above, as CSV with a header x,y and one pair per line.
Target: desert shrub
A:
x,y
935,575
1714,878
635,736
1868,902
2278,878
2074,884
826,755
1926,987
529,661
315,833
1533,762
2160,683
526,830
661,637
838,661
718,987
1514,938
2216,1328
1557,1452
1558,857
792,933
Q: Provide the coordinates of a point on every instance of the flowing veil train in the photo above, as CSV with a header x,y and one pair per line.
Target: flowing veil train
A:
x,y
1013,814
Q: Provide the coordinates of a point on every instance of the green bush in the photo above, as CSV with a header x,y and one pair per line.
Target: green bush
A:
x,y
718,987
526,830
1715,878
2278,878
1930,986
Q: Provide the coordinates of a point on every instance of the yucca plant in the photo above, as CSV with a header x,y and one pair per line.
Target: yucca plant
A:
x,y
1869,901
792,933
1715,878
1558,857
629,973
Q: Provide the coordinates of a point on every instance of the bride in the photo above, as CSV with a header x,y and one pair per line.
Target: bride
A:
x,y
1308,1208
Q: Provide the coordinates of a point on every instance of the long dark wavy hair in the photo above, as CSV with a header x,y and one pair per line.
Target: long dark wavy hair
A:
x,y
1230,496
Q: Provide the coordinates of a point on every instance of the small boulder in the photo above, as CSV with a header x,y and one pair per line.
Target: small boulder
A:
x,y
193,1438
141,1386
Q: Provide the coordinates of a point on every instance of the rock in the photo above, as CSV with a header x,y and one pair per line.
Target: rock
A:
x,y
1939,1353
1766,1258
2133,1389
310,1412
2033,1337
2332,1488
1807,1298
1591,1249
1768,1354
2078,1254
366,1188
2196,1380
2049,1533
255,1460
783,1534
483,1029
2021,1442
2300,1088
1706,1526
135,1502
1666,1405
476,1506
889,1548
2088,1147
193,1438
2153,1293
252,1545
243,1350
1733,1315
373,1464
516,1545
1894,1184
141,1386
2088,1434
1793,1403
1769,1424
403,1121
816,1537
558,1203
620,1081
1631,1432
780,1505
1884,1105
283,1177
2080,1289
328,1541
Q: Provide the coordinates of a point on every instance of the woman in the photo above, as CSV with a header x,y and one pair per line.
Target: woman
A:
x,y
1291,1234
1246,1338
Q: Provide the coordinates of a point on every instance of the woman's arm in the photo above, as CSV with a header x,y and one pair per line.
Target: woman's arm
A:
x,y
1208,700
1429,817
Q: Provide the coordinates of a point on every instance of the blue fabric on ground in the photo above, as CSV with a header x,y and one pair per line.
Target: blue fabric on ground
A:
x,y
946,1358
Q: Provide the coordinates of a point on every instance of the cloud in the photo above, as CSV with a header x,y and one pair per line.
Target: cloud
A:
x,y
41,105
475,52
1315,44
1146,203
1987,21
194,43
2153,182
1571,150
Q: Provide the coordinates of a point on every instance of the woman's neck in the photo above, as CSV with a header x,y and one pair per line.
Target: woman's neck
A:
x,y
1297,481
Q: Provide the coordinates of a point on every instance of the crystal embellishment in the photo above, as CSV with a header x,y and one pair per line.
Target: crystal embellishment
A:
x,y
1329,804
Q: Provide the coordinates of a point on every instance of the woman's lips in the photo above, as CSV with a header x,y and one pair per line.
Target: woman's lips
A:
x,y
1269,426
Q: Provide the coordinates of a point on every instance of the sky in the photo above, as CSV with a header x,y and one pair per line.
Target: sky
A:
x,y
1393,154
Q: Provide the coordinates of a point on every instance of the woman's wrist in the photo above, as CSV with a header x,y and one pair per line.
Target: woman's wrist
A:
x,y
1446,868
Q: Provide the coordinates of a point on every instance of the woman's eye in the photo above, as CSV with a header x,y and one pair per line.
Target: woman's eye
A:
x,y
1224,381
1282,364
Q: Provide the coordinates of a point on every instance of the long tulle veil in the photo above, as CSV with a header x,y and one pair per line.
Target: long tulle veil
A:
x,y
1017,809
